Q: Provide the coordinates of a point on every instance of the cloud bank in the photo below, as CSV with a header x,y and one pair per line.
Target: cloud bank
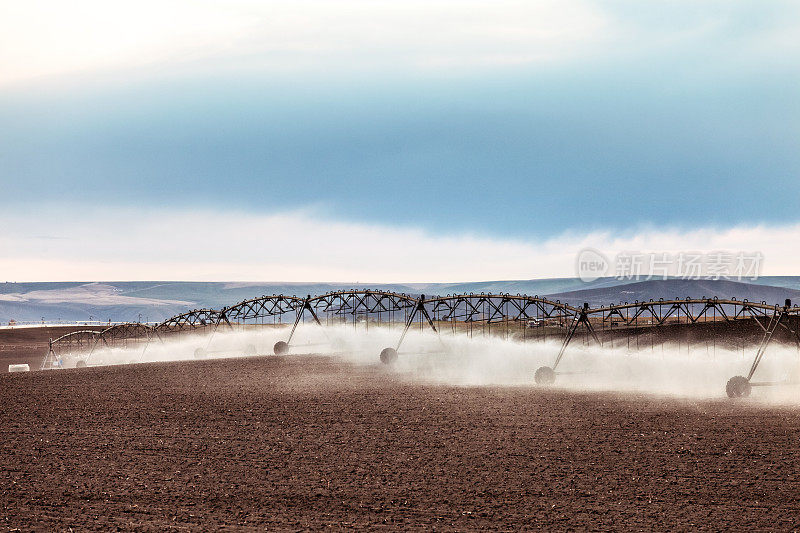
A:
x,y
47,37
59,244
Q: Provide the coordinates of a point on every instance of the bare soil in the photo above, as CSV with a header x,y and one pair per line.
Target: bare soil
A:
x,y
29,344
303,442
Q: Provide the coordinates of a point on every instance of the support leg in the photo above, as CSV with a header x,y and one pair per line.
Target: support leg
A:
x,y
406,328
571,333
739,386
433,327
296,322
282,347
317,320
765,340
51,354
547,375
389,355
158,335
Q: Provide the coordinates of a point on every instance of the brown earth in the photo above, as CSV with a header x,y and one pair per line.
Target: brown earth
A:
x,y
29,344
303,442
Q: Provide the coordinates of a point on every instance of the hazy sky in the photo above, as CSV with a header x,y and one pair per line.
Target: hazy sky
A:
x,y
498,124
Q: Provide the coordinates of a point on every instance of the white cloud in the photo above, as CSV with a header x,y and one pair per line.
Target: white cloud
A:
x,y
42,38
46,37
130,244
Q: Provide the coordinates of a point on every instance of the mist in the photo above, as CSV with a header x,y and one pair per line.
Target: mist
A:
x,y
698,371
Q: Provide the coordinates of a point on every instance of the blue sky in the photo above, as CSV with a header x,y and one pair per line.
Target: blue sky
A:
x,y
504,120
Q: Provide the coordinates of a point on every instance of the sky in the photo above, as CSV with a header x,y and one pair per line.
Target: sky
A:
x,y
392,141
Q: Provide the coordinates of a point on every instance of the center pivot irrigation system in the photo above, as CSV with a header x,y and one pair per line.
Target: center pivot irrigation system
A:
x,y
528,318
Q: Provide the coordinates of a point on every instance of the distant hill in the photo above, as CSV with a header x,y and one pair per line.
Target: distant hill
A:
x,y
158,300
678,289
789,282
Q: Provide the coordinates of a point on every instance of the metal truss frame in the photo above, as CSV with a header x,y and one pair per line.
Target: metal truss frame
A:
x,y
471,308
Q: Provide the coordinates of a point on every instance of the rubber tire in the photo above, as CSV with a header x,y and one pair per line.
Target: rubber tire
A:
x,y
80,364
544,376
738,387
388,356
281,348
200,353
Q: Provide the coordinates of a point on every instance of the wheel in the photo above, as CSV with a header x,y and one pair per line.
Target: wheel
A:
x,y
250,350
388,356
281,348
544,376
80,364
199,353
738,386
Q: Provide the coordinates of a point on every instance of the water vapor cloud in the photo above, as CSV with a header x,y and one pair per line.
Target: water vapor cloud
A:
x,y
108,244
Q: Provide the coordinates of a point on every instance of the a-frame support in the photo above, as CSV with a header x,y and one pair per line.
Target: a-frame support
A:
x,y
50,357
547,375
419,307
581,318
155,332
305,307
740,385
282,347
389,355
